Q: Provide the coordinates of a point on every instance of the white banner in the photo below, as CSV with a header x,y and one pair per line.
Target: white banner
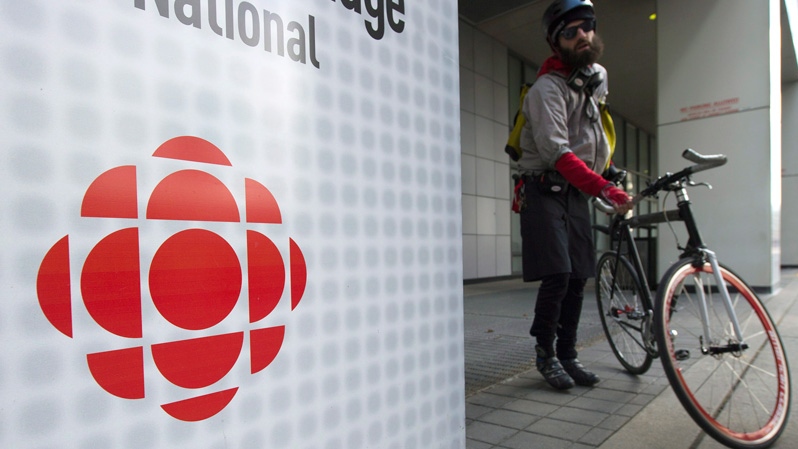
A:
x,y
230,224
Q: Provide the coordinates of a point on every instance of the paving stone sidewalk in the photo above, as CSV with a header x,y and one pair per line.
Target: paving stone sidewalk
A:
x,y
510,406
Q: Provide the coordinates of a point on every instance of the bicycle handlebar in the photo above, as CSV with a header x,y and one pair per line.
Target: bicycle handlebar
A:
x,y
702,162
602,205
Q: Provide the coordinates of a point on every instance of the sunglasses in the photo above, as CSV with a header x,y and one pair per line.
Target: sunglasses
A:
x,y
586,26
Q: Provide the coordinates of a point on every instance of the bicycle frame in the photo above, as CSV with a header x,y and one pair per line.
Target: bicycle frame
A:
x,y
695,249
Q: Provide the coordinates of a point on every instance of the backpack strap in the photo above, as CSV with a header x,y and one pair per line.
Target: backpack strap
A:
x,y
609,130
513,147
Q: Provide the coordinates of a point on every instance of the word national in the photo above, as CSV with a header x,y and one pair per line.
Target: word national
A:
x,y
379,10
253,27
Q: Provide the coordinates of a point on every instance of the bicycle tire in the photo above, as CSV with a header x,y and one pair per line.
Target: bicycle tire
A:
x,y
622,312
740,398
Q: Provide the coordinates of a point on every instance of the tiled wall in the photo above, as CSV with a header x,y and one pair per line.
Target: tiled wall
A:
x,y
484,120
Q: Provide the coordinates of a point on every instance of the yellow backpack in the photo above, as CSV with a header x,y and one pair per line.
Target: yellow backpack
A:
x,y
513,147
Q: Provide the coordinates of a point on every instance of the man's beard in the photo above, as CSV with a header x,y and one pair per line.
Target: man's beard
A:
x,y
586,57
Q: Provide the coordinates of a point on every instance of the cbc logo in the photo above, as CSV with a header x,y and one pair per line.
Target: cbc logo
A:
x,y
194,280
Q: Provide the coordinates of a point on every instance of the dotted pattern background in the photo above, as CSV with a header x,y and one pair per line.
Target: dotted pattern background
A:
x,y
362,156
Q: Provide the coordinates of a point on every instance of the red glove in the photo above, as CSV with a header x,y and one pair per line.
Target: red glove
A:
x,y
576,172
614,195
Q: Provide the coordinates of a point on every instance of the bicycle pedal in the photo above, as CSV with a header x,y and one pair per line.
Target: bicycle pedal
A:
x,y
681,354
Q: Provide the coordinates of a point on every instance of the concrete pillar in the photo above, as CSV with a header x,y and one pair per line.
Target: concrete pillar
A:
x,y
719,92
789,100
789,179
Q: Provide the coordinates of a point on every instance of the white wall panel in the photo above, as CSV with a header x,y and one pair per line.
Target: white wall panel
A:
x,y
483,54
469,214
469,179
467,91
241,221
486,256
503,256
485,137
468,133
499,54
486,178
789,210
789,221
503,213
483,96
466,40
501,104
503,187
470,257
486,216
500,134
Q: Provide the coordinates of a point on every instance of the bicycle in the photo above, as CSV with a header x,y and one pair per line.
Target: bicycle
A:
x,y
719,347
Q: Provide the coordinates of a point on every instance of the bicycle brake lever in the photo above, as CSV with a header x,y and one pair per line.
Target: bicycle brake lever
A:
x,y
692,183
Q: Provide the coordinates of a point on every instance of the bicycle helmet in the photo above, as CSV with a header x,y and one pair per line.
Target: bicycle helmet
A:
x,y
561,13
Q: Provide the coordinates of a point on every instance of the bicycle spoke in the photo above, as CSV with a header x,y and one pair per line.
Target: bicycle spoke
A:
x,y
626,326
748,390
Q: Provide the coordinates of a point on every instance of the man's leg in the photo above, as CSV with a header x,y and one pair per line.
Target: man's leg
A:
x,y
569,319
548,307
567,333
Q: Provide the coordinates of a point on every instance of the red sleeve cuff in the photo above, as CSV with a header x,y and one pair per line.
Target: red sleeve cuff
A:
x,y
576,172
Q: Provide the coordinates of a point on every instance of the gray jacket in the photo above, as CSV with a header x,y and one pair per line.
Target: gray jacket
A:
x,y
558,121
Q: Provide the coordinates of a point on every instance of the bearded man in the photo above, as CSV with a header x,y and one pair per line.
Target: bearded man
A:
x,y
565,149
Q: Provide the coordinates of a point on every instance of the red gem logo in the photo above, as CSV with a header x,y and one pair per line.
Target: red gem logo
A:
x,y
194,281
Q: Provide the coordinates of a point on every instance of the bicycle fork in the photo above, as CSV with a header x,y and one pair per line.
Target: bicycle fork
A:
x,y
706,344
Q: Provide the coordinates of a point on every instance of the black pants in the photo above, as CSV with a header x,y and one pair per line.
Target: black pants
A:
x,y
557,312
558,251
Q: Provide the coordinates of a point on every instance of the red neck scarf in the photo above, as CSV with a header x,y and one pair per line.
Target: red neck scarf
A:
x,y
554,64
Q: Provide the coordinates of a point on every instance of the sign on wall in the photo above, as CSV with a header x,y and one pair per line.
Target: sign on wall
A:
x,y
230,224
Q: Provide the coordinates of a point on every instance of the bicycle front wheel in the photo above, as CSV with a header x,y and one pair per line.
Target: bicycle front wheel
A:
x,y
737,392
622,312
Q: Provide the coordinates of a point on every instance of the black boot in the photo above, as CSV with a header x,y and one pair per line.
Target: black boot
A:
x,y
579,374
552,371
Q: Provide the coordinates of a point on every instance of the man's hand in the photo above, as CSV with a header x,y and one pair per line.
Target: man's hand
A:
x,y
620,201
576,172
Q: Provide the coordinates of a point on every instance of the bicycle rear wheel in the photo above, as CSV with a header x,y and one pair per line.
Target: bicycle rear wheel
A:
x,y
739,395
623,315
